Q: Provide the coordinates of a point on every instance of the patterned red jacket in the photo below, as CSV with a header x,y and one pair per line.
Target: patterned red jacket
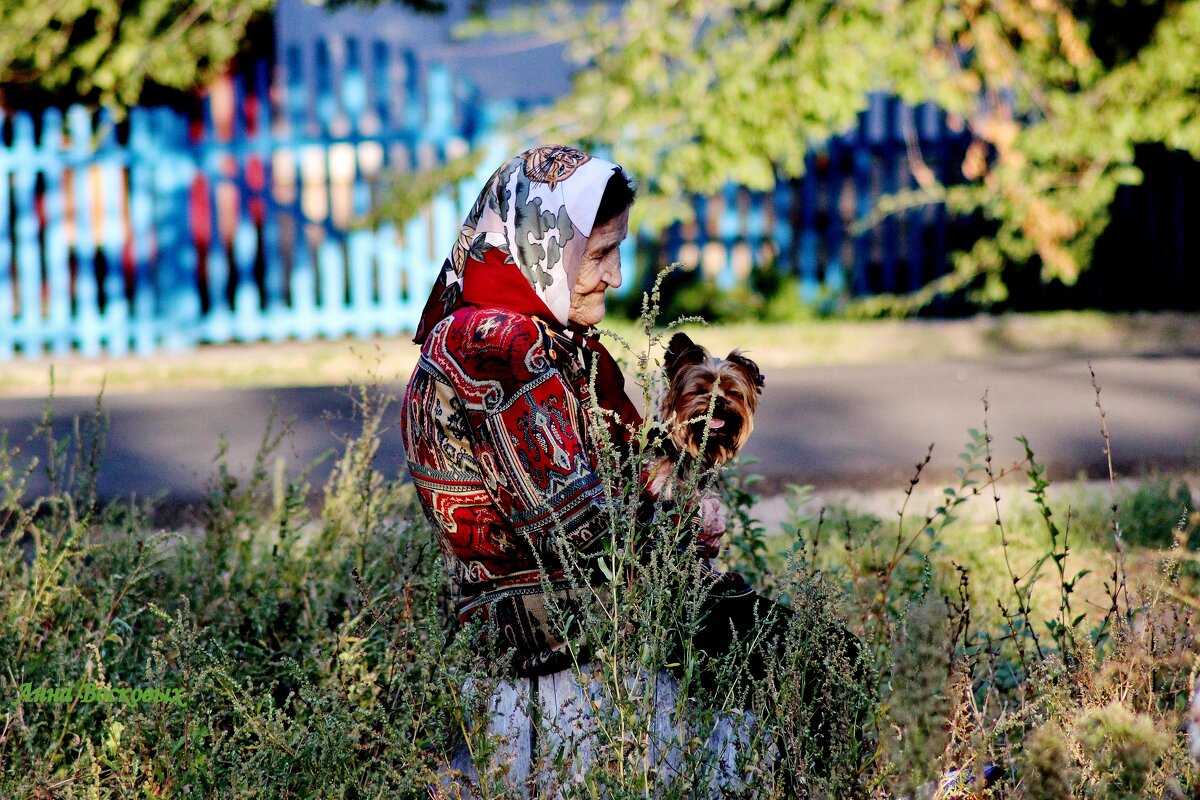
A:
x,y
495,429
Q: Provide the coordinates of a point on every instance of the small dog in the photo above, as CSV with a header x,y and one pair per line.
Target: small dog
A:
x,y
693,441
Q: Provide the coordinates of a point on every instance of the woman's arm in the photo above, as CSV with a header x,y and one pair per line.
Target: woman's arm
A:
x,y
526,427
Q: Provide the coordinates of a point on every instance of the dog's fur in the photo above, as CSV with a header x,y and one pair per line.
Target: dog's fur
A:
x,y
693,376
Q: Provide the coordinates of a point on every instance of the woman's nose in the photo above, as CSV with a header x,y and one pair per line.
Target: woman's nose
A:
x,y
613,279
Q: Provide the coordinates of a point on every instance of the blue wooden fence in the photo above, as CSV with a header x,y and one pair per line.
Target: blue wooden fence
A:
x,y
162,231
805,227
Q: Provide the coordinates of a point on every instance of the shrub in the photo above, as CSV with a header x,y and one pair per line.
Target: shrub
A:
x,y
1155,510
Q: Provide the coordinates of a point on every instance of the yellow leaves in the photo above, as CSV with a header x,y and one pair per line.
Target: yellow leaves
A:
x,y
1027,19
1057,262
975,163
1048,228
1073,43
1000,131
994,52
1045,225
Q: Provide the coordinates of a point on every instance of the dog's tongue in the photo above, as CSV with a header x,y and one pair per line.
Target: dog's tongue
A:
x,y
717,423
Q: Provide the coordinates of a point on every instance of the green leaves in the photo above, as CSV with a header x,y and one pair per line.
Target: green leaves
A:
x,y
689,96
106,52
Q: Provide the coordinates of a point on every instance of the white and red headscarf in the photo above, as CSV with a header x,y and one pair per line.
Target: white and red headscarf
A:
x,y
535,214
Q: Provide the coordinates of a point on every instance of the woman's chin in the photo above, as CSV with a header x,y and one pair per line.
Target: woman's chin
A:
x,y
586,318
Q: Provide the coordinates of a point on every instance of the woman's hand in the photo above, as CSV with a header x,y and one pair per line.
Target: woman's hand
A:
x,y
712,525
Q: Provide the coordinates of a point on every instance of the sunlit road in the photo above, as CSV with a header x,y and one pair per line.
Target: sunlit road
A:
x,y
838,426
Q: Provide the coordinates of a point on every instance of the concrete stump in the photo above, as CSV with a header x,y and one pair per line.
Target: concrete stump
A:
x,y
550,730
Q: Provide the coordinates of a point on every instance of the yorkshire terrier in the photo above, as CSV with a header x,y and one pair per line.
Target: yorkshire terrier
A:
x,y
695,441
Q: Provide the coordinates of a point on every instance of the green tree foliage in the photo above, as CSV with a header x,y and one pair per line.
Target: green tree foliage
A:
x,y
109,52
1057,95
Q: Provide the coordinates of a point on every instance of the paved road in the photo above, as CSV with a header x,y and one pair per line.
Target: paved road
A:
x,y
839,426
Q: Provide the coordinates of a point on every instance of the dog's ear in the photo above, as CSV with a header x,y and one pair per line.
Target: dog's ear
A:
x,y
682,350
749,368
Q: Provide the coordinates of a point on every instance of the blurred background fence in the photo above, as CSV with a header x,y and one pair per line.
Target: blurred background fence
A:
x,y
164,230
805,228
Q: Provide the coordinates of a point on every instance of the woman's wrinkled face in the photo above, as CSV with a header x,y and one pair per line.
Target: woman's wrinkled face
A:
x,y
599,269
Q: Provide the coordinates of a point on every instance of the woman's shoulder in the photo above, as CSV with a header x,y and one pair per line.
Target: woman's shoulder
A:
x,y
491,343
473,328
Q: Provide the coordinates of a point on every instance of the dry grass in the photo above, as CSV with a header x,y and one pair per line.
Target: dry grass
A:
x,y
971,541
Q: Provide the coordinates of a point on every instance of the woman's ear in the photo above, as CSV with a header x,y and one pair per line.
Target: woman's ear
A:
x,y
682,350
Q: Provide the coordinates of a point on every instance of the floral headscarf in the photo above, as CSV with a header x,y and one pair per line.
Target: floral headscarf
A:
x,y
538,211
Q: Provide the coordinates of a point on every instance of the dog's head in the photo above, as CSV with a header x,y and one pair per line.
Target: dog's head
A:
x,y
693,377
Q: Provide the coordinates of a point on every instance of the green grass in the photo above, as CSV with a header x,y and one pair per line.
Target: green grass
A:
x,y
1157,516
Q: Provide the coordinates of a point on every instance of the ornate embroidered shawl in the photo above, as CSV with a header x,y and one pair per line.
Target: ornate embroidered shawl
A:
x,y
494,419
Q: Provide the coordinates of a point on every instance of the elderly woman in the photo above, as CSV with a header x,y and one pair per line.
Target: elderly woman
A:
x,y
496,429
494,420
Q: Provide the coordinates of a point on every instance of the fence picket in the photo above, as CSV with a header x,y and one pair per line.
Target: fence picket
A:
x,y
274,266
414,114
7,263
326,103
728,228
247,301
360,249
863,161
354,87
295,103
380,84
141,225
756,226
28,254
418,270
304,287
87,287
809,283
835,271
177,274
331,267
391,300
916,220
945,172
439,100
269,134
58,268
208,224
782,230
115,312
891,164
